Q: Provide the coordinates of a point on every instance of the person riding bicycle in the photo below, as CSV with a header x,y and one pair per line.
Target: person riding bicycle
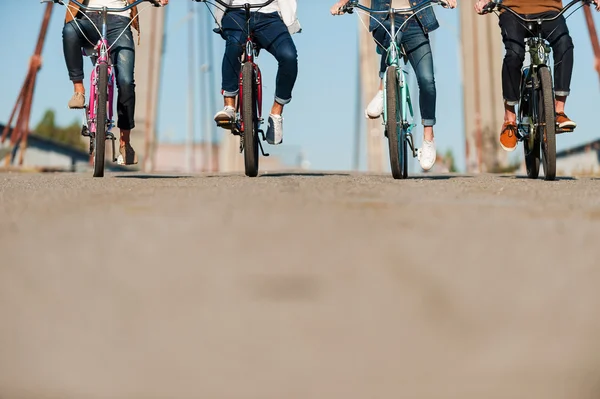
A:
x,y
414,39
79,32
514,33
273,26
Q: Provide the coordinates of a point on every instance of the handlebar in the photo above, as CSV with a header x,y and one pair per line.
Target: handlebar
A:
x,y
155,3
241,7
348,7
489,7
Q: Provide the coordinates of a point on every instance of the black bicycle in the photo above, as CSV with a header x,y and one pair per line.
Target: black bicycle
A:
x,y
536,118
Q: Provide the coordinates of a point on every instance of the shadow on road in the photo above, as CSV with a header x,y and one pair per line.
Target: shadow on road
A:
x,y
524,177
438,177
290,174
146,177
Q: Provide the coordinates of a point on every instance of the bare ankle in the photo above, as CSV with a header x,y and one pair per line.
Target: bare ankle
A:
x,y
277,109
78,87
229,101
125,137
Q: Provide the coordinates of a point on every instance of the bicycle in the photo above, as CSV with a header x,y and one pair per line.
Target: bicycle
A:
x,y
536,118
248,117
98,113
397,103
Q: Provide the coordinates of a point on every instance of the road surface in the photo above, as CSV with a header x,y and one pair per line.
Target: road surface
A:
x,y
316,285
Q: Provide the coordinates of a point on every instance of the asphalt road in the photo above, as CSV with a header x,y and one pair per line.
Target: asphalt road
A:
x,y
293,286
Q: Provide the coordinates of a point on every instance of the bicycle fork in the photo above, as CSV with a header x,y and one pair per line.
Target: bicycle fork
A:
x,y
89,123
406,105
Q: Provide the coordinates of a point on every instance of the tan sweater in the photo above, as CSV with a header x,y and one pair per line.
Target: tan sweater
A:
x,y
533,6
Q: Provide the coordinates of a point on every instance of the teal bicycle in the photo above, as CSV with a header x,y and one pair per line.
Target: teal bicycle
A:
x,y
397,106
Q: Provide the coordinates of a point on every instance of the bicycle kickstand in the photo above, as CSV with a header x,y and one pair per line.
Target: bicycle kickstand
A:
x,y
264,138
113,139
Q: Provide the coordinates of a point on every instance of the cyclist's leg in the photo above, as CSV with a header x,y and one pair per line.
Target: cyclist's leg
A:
x,y
74,38
233,24
123,58
513,36
418,50
557,34
382,39
272,34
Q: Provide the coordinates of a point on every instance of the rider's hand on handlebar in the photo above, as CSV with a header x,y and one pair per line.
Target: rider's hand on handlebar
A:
x,y
480,6
448,3
597,4
336,9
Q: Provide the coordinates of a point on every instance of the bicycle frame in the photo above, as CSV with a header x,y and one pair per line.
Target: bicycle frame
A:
x,y
249,55
539,52
102,55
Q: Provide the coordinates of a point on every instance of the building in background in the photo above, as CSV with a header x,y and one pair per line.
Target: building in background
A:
x,y
482,54
583,160
147,75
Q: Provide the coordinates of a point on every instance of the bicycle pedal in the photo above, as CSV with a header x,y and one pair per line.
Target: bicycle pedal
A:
x,y
560,131
85,132
228,124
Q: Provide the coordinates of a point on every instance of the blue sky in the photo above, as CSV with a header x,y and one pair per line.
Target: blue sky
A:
x,y
321,118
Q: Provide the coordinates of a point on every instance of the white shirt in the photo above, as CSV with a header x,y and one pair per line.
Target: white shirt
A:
x,y
401,4
109,4
273,7
287,11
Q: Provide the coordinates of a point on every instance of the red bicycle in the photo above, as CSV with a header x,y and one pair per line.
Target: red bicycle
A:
x,y
249,102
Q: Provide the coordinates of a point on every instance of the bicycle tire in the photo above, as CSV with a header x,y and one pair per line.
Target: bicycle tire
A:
x,y
101,108
531,144
249,117
547,117
391,124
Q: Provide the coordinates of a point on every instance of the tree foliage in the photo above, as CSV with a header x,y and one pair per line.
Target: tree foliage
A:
x,y
69,135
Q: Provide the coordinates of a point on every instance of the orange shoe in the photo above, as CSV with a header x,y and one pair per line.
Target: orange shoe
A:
x,y
564,122
508,136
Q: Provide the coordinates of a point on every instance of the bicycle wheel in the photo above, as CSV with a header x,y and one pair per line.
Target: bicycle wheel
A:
x,y
531,143
249,118
100,135
547,120
392,125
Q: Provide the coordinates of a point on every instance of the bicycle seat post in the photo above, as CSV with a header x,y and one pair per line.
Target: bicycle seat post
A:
x,y
247,8
104,13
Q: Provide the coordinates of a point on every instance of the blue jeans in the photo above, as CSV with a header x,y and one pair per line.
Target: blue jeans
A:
x,y
415,42
122,56
271,34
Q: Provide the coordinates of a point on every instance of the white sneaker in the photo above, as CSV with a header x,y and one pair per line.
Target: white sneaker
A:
x,y
275,129
225,115
375,107
427,154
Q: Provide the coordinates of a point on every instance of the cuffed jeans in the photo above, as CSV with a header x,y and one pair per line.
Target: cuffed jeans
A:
x,y
513,36
271,34
415,42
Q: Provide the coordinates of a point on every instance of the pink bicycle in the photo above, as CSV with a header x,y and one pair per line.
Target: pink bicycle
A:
x,y
98,114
